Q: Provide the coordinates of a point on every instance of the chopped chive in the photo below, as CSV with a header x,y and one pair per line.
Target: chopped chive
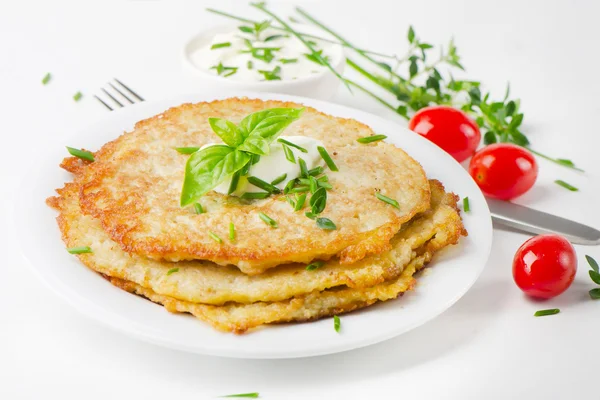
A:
x,y
83,154
315,265
303,169
250,65
310,215
304,181
323,178
291,201
466,205
294,145
327,158
566,185
326,224
268,220
542,313
300,200
592,262
231,231
289,154
198,208
316,171
595,293
336,323
80,250
371,139
266,186
386,199
299,189
279,179
214,237
246,395
77,96
220,45
272,37
288,60
187,150
46,79
312,184
324,185
172,271
289,186
255,195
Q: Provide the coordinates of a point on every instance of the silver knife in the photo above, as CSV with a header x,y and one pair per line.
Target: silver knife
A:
x,y
533,221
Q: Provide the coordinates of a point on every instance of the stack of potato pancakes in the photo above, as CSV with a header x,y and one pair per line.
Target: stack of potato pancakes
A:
x,y
125,206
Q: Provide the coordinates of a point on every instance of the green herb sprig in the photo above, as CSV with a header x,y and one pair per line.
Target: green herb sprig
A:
x,y
594,276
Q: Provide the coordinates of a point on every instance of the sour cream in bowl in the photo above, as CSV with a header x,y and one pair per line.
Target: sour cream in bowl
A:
x,y
269,60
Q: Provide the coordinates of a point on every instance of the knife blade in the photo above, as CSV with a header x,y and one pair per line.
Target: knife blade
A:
x,y
534,221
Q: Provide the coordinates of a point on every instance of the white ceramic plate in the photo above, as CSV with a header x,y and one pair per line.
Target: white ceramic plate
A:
x,y
451,274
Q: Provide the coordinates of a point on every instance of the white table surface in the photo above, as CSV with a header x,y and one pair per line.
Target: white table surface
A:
x,y
488,345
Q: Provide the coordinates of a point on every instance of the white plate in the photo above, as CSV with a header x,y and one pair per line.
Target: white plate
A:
x,y
451,274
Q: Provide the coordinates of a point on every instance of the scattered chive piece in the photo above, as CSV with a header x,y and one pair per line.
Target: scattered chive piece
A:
x,y
288,60
172,271
246,395
234,182
386,199
289,186
595,294
187,150
304,181
46,79
316,171
312,184
214,237
326,224
315,265
250,65
84,155
466,205
299,189
325,185
566,185
592,262
220,45
336,323
294,145
80,250
289,154
279,179
327,158
323,178
255,195
268,220
300,200
199,209
371,139
542,313
291,201
272,37
231,231
77,96
266,186
303,169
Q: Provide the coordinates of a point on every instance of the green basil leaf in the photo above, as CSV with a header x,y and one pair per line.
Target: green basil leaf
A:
x,y
227,131
262,127
207,168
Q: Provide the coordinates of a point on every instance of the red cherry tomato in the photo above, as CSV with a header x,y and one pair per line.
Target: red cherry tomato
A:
x,y
545,266
503,170
449,128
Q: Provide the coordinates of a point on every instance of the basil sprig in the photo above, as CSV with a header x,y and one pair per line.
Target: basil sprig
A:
x,y
207,168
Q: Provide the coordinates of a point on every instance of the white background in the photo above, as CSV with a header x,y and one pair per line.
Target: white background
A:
x,y
486,346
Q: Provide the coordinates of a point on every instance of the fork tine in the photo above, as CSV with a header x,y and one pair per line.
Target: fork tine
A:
x,y
121,93
113,98
103,103
140,98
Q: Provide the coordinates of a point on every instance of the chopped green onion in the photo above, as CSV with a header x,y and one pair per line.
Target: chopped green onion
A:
x,y
304,181
187,150
46,79
566,185
466,205
294,145
371,139
235,179
289,154
250,65
77,96
386,199
268,220
300,200
323,178
279,179
220,45
303,169
326,224
324,185
266,186
172,271
316,171
327,158
291,201
312,184
542,313
336,323
255,195
214,237
595,293
288,60
199,209
593,263
289,186
231,231
84,155
80,250
315,265
246,395
299,189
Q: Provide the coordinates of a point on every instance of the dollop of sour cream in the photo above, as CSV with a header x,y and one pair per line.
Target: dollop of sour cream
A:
x,y
273,55
274,165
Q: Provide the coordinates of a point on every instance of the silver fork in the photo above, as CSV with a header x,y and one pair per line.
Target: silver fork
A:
x,y
132,97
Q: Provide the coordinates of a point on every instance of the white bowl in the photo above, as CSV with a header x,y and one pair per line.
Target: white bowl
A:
x,y
321,85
